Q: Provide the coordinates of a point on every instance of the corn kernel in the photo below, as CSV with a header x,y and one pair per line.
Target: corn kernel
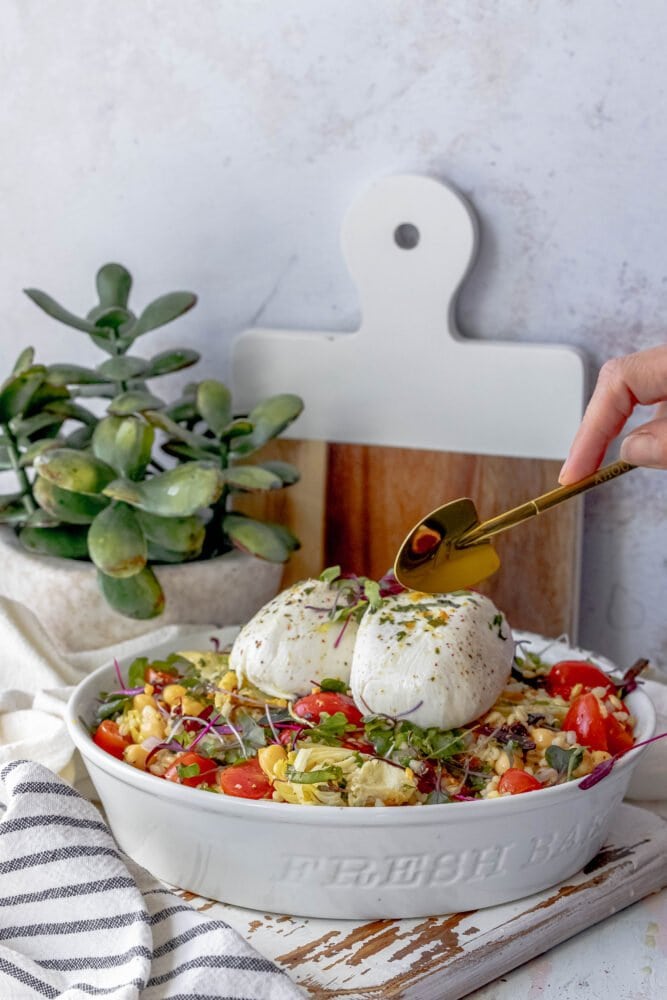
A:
x,y
141,700
229,681
191,706
172,694
136,755
269,757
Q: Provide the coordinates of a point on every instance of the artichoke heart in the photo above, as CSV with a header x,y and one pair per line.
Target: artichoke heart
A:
x,y
378,783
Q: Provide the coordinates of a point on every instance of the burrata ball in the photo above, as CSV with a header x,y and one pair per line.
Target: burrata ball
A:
x,y
293,641
434,659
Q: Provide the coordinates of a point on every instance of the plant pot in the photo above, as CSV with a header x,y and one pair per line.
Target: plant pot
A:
x,y
65,596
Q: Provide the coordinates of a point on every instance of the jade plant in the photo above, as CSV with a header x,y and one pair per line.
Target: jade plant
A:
x,y
136,480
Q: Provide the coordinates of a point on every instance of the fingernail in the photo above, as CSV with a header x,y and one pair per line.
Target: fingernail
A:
x,y
563,471
641,448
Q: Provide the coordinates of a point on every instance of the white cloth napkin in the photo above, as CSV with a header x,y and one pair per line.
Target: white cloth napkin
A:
x,y
79,919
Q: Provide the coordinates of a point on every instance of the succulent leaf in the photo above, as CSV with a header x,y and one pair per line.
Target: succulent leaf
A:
x,y
236,428
17,392
110,318
157,554
138,596
179,492
45,444
74,375
69,542
214,402
171,361
56,311
24,429
194,440
113,284
116,542
287,472
259,538
72,411
163,310
125,443
12,508
251,478
180,535
122,368
80,438
67,506
24,361
270,418
134,401
74,470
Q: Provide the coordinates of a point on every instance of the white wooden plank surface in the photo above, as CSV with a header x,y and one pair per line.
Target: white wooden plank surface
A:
x,y
407,378
453,955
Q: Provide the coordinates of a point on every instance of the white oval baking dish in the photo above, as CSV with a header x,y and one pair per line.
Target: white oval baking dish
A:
x,y
355,863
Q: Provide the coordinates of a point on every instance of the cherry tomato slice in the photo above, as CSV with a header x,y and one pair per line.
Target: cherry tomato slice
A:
x,y
108,737
312,706
515,781
619,737
189,759
585,719
246,780
159,678
567,674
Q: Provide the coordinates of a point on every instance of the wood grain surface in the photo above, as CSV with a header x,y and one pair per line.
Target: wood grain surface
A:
x,y
355,504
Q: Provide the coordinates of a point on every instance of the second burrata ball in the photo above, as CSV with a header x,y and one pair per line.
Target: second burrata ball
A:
x,y
434,659
293,641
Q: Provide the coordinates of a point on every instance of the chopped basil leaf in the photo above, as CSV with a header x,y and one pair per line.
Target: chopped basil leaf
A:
x,y
330,574
330,730
136,675
331,684
565,762
187,770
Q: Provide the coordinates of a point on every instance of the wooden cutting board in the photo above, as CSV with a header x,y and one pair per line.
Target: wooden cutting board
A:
x,y
406,414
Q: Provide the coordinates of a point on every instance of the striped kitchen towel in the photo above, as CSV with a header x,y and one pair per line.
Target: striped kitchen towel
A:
x,y
79,919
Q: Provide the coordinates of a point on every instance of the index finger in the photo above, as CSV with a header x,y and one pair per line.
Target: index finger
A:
x,y
622,384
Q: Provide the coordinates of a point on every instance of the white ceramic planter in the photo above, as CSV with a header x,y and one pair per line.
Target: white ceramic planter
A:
x,y
65,596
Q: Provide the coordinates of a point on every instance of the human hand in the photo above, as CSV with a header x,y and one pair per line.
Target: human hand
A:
x,y
623,383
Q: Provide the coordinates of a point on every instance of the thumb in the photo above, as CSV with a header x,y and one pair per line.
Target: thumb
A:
x,y
647,445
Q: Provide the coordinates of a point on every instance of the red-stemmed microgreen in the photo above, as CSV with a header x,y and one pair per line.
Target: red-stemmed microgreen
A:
x,y
602,769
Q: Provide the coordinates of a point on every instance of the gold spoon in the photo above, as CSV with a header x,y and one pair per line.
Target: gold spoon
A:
x,y
449,549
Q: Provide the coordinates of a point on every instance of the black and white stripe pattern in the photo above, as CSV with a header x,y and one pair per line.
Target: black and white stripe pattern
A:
x,y
80,919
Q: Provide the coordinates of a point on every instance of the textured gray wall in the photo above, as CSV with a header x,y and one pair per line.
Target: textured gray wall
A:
x,y
216,145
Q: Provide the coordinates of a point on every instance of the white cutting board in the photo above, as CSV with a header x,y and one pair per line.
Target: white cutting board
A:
x,y
407,378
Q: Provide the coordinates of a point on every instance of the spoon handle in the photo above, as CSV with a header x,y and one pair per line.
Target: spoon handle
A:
x,y
516,515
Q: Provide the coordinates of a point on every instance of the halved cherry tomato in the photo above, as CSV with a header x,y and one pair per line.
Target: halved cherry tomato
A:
x,y
205,775
359,744
567,674
312,706
108,737
619,737
159,678
246,780
515,781
585,719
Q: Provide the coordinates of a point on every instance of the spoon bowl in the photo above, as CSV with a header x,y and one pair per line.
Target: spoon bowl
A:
x,y
449,549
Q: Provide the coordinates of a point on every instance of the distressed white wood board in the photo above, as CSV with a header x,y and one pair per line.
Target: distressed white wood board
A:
x,y
407,378
451,956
